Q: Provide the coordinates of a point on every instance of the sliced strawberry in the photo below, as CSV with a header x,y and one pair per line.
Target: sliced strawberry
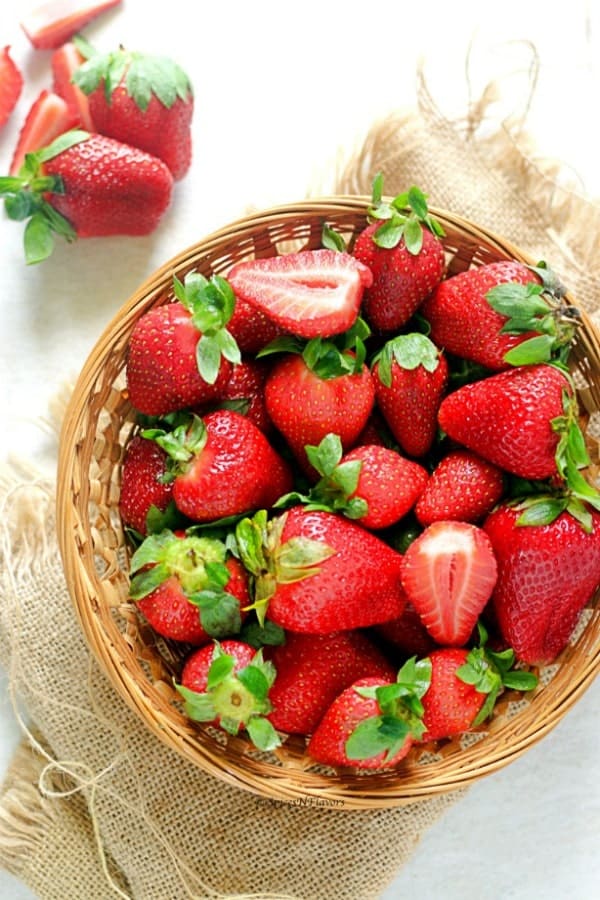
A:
x,y
55,22
314,293
11,85
48,117
449,573
65,61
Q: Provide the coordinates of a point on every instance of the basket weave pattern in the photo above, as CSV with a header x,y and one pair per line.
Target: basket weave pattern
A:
x,y
97,426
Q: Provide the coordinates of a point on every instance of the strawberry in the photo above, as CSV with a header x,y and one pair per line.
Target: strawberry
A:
x,y
142,100
547,572
464,686
225,466
500,314
86,185
251,328
313,293
11,85
181,354
406,259
187,588
228,684
462,486
244,392
319,389
65,61
312,669
406,634
515,419
54,22
370,483
448,574
316,571
373,723
411,376
49,116
145,486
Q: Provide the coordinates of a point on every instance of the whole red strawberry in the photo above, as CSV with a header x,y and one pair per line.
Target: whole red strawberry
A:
x,y
142,100
411,376
180,354
87,185
317,572
448,573
312,294
403,250
312,669
228,684
462,486
373,484
500,314
244,392
464,686
225,466
546,574
373,723
514,419
144,483
188,588
320,390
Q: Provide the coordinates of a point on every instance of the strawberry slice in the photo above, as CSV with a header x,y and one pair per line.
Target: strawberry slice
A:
x,y
313,293
448,574
11,85
65,61
48,117
55,22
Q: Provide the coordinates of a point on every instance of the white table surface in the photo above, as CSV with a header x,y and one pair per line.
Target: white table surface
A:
x,y
280,90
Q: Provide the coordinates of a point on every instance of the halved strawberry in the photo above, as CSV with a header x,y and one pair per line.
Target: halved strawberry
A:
x,y
54,22
448,574
48,118
313,293
11,85
65,61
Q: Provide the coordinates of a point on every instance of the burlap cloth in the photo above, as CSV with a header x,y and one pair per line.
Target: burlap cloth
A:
x,y
94,805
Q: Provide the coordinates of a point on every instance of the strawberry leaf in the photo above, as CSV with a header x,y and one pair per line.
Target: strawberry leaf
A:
x,y
332,240
269,634
262,734
413,236
198,707
375,735
534,350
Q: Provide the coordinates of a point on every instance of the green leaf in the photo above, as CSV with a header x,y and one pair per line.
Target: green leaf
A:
x,y
534,350
10,184
416,674
257,636
255,681
376,735
250,536
516,300
413,350
377,189
413,236
221,668
227,344
147,581
346,476
332,240
542,511
37,239
86,49
417,202
208,358
326,456
262,734
198,707
520,681
219,612
390,233
60,144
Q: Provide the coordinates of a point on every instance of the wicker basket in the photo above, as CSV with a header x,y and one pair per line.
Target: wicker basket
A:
x,y
99,422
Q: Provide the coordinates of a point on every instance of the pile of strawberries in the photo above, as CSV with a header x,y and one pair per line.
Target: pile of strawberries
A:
x,y
357,493
102,145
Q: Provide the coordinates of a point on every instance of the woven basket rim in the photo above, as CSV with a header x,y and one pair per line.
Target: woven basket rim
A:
x,y
92,594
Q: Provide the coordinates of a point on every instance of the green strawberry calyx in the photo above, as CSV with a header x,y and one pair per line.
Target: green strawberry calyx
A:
x,y
198,564
400,716
539,308
211,303
490,672
182,442
26,198
272,561
236,699
403,218
409,351
334,491
143,76
327,357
